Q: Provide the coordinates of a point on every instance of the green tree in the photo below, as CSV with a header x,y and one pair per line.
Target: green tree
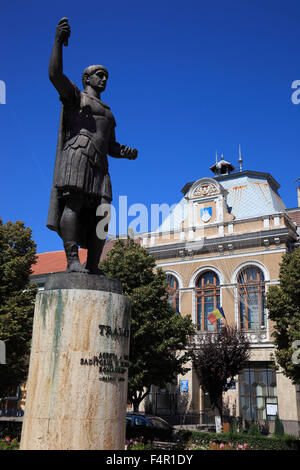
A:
x,y
17,254
158,335
218,358
283,303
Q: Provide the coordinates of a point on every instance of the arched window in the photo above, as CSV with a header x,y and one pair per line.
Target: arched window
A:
x,y
251,291
208,298
173,291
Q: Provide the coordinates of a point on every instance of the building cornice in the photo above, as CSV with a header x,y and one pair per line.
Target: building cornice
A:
x,y
224,223
231,242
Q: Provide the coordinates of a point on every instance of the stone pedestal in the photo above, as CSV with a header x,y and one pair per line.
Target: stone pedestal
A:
x,y
77,384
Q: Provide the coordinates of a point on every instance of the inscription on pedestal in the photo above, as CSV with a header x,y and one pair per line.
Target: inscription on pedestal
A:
x,y
111,367
109,331
108,363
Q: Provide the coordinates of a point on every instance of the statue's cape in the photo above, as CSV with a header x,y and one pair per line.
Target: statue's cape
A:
x,y
56,205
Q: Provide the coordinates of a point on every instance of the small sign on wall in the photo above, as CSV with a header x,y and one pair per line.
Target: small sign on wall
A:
x,y
184,385
272,410
233,385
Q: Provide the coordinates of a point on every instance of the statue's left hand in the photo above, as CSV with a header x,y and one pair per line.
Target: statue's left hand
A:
x,y
128,152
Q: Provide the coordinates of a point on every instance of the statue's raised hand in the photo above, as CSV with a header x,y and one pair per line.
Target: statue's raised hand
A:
x,y
63,31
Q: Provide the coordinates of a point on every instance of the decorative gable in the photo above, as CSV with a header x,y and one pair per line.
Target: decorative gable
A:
x,y
205,189
207,202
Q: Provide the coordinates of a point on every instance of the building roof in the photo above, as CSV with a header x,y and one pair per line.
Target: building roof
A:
x,y
294,214
249,194
259,174
53,262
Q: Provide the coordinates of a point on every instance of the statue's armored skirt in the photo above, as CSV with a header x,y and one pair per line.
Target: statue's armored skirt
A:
x,y
82,169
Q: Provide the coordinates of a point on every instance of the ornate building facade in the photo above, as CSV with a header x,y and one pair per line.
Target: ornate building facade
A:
x,y
221,246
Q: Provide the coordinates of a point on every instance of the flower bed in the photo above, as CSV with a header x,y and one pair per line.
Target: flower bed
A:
x,y
9,444
217,446
137,444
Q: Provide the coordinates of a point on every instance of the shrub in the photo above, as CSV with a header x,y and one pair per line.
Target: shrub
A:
x,y
253,442
279,429
12,429
228,446
138,444
234,425
254,430
9,444
147,433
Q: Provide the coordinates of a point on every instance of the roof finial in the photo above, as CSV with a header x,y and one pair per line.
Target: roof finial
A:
x,y
216,156
240,159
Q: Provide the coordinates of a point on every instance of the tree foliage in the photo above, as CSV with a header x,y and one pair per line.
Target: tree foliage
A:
x,y
218,358
17,254
158,335
283,303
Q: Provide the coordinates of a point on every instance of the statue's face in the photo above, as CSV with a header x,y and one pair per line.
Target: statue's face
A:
x,y
98,80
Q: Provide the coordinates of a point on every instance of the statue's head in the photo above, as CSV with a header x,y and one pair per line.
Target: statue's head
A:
x,y
95,76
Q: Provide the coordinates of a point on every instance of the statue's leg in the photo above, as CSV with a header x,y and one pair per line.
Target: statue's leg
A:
x,y
69,226
95,248
96,241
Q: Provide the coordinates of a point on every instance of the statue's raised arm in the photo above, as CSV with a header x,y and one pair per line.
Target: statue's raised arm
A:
x,y
56,75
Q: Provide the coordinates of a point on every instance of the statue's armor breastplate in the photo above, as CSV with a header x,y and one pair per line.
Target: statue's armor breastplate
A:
x,y
93,118
88,130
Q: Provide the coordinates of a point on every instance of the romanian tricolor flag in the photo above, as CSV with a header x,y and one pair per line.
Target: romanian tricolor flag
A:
x,y
216,315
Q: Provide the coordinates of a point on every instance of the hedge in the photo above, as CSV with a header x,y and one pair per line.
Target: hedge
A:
x,y
147,433
9,444
254,442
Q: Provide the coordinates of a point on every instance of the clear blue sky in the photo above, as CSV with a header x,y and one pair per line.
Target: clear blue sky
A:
x,y
186,78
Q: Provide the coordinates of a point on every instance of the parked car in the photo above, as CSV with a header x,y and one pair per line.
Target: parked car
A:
x,y
148,426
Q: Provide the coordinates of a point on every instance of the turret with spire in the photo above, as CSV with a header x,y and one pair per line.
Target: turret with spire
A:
x,y
222,167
